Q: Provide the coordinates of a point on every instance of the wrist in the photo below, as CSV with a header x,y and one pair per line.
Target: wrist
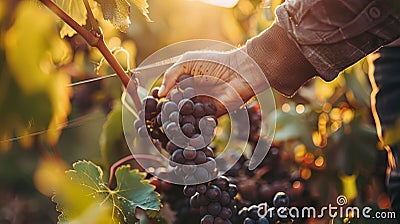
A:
x,y
281,61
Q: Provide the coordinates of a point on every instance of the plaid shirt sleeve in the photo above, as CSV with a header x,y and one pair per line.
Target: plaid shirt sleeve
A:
x,y
330,35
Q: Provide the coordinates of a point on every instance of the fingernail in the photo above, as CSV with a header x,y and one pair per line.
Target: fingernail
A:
x,y
161,91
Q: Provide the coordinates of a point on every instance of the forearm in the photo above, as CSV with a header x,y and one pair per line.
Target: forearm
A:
x,y
321,37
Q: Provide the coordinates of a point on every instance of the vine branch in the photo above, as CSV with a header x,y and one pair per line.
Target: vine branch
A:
x,y
96,39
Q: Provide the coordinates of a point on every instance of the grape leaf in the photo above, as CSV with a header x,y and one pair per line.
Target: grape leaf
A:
x,y
132,191
118,11
75,9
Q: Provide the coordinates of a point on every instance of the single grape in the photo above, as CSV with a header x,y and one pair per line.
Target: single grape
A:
x,y
142,131
158,120
249,221
188,93
186,106
232,190
222,182
252,212
169,107
154,92
198,110
149,104
214,208
213,193
171,147
226,213
159,106
189,191
281,200
175,95
208,219
189,153
201,188
174,117
172,129
210,108
200,157
177,156
225,198
188,119
208,151
188,129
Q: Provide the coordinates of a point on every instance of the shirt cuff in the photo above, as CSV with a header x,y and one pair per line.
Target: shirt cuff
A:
x,y
280,59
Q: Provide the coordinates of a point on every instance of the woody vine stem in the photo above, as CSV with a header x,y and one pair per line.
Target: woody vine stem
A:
x,y
95,38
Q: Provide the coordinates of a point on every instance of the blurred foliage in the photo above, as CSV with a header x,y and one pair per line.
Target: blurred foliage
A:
x,y
327,127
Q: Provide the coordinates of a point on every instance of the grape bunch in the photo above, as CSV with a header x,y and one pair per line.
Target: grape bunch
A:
x,y
263,214
184,126
214,200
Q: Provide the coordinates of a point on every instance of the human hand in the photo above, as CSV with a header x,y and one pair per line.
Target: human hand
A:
x,y
229,79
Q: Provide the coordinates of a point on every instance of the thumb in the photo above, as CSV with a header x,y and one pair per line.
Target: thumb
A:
x,y
169,79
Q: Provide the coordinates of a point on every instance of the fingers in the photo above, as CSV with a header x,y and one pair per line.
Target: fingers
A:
x,y
169,79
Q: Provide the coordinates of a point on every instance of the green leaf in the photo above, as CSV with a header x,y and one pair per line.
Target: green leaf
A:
x,y
118,11
112,142
75,9
132,191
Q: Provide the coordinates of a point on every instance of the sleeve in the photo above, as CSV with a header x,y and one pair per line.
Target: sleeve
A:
x,y
322,37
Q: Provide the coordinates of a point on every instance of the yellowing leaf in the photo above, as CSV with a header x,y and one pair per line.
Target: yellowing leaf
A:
x,y
143,6
117,12
75,9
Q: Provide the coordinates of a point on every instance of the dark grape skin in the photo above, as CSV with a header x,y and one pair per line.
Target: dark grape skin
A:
x,y
186,106
213,193
214,208
225,198
203,200
194,201
175,95
203,210
159,106
172,129
149,104
174,117
188,93
171,147
154,92
188,129
177,156
252,212
169,107
232,190
189,191
142,131
226,213
201,188
222,182
198,110
210,108
272,215
281,200
189,153
188,119
200,157
208,151
207,219
249,221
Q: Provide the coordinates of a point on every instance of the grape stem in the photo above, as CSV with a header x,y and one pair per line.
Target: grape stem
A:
x,y
96,39
126,159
